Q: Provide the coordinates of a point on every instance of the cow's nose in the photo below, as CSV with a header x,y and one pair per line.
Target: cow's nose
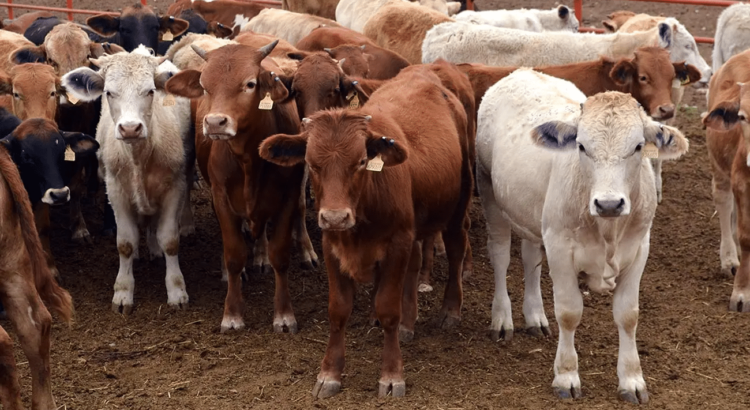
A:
x,y
218,126
335,219
217,120
666,111
130,130
56,196
609,207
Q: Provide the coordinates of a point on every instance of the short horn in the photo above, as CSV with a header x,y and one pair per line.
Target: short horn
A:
x,y
201,52
266,50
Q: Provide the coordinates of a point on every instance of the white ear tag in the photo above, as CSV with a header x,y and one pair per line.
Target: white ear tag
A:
x,y
650,150
73,100
676,83
353,99
266,103
69,154
375,164
168,36
168,100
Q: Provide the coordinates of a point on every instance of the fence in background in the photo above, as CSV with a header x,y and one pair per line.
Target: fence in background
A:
x,y
578,4
71,11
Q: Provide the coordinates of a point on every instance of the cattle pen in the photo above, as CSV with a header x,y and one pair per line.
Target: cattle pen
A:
x,y
71,11
578,4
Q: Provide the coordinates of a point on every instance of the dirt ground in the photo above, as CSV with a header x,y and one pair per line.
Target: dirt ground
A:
x,y
692,349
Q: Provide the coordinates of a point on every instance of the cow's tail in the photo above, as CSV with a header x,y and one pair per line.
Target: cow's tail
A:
x,y
56,298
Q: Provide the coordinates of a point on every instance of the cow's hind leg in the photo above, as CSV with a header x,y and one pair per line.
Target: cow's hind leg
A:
x,y
261,264
10,391
32,323
658,178
724,202
77,223
740,299
409,308
168,236
42,220
428,259
632,387
533,306
309,257
455,245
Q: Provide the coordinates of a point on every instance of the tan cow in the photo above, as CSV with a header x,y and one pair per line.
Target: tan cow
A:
x,y
286,25
322,8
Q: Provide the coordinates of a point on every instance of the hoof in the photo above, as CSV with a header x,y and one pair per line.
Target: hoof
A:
x,y
739,305
466,274
82,236
181,305
263,269
187,230
538,331
502,334
309,265
122,308
396,388
730,272
326,388
424,288
285,325
232,323
374,322
636,397
447,321
405,335
571,393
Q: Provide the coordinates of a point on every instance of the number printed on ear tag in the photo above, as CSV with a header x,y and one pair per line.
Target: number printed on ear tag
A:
x,y
168,36
69,154
266,103
353,99
73,100
168,100
375,164
650,151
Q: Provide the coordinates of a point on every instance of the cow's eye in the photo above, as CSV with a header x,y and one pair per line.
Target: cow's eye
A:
x,y
16,95
108,94
638,147
250,85
52,94
151,93
581,148
643,78
363,162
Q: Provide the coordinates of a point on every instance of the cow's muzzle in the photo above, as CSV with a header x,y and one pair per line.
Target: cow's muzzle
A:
x,y
335,219
130,131
219,127
56,196
610,208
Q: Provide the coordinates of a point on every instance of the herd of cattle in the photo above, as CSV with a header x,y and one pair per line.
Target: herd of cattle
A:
x,y
394,110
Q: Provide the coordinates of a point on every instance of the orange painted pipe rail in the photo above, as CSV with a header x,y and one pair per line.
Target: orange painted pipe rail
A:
x,y
68,9
578,5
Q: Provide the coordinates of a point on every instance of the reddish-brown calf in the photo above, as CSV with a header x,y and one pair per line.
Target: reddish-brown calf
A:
x,y
372,216
223,11
234,81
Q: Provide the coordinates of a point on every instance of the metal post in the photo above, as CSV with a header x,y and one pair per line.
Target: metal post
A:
x,y
578,6
70,13
10,10
469,4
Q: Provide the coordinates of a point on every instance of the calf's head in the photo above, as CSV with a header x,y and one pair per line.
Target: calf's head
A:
x,y
319,83
337,146
610,135
649,78
675,38
128,82
136,25
232,85
34,88
38,149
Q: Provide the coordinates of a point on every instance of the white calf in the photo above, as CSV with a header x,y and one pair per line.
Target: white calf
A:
x,y
568,173
141,131
558,19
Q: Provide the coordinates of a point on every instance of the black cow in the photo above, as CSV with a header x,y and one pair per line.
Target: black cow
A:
x,y
137,24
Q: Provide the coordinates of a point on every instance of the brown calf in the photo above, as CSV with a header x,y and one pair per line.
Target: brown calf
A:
x,y
222,11
647,77
322,8
235,79
727,133
21,23
371,219
382,63
25,283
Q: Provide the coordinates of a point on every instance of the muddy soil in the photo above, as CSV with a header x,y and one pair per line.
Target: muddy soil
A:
x,y
693,351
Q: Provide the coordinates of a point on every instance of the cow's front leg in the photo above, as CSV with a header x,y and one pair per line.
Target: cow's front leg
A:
x,y
409,307
498,246
340,302
235,255
168,236
533,306
388,308
127,247
740,299
279,248
658,178
632,387
568,312
724,203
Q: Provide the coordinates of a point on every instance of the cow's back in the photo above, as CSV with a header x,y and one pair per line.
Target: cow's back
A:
x,y
732,34
505,150
286,25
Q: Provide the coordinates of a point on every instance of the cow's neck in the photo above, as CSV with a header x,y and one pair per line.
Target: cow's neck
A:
x,y
625,44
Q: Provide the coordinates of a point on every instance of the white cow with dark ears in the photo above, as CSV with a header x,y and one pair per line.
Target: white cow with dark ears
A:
x,y
140,131
569,174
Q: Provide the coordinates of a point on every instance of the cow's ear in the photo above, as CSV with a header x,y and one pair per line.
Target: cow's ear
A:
x,y
80,143
723,117
563,12
298,55
104,25
390,151
25,55
555,134
453,7
218,30
623,72
97,50
665,35
671,142
172,24
609,25
186,83
84,84
285,150
6,84
686,73
351,88
12,145
164,72
288,82
270,83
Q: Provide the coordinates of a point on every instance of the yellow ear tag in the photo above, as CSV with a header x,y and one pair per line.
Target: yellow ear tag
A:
x,y
686,81
73,100
375,164
650,150
266,103
168,36
354,100
69,154
168,100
